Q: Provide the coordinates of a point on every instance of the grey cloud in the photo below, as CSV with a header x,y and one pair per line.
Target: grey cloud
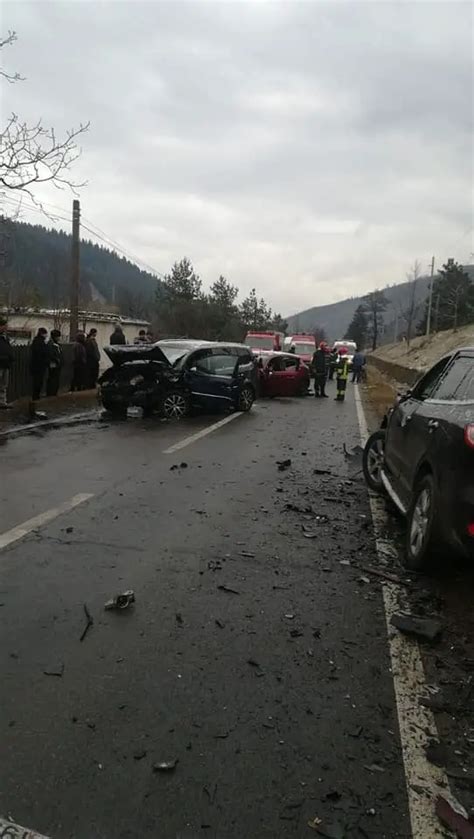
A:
x,y
311,149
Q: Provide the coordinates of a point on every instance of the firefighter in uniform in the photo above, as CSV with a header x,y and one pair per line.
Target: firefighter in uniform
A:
x,y
342,374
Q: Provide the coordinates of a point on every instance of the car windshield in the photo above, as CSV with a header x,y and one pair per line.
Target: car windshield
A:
x,y
175,352
264,342
304,349
458,382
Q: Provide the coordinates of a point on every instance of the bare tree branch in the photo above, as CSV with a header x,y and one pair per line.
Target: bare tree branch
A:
x,y
32,154
7,42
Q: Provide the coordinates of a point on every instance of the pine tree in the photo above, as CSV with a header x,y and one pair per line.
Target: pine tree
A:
x,y
358,327
453,299
375,304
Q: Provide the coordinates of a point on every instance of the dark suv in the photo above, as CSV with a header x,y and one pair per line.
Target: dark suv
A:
x,y
423,457
175,377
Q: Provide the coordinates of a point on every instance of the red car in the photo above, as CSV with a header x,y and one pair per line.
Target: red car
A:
x,y
282,374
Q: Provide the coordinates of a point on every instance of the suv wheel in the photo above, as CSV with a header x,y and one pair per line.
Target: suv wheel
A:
x,y
175,405
422,532
373,460
246,399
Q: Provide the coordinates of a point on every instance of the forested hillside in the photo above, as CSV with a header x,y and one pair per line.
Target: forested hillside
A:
x,y
35,270
335,318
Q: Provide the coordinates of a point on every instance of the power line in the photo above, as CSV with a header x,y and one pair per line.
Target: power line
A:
x,y
92,229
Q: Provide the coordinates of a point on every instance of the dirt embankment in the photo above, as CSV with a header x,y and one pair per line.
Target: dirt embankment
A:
x,y
424,352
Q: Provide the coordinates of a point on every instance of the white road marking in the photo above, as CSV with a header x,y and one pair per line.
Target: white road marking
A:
x,y
22,530
199,434
15,831
415,722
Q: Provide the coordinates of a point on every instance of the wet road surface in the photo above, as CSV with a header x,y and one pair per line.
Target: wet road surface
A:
x,y
255,656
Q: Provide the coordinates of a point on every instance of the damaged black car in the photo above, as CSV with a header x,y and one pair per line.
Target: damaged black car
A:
x,y
176,377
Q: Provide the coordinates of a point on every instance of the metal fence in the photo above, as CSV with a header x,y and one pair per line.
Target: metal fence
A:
x,y
20,375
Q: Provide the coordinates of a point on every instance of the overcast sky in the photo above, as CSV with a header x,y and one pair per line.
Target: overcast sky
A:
x,y
310,149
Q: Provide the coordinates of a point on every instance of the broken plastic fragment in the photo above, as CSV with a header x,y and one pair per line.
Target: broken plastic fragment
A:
x,y
165,766
121,601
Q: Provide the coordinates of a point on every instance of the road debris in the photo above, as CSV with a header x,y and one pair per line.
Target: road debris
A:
x,y
384,575
314,823
247,554
214,565
219,623
228,589
454,816
283,464
165,766
356,452
175,466
211,792
322,472
289,616
374,767
252,662
295,508
121,601
55,670
289,810
89,622
140,755
179,618
424,629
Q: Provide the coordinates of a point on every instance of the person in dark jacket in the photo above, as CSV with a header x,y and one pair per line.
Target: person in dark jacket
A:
x,y
79,363
55,363
333,357
39,360
141,338
358,364
6,362
117,336
93,359
319,366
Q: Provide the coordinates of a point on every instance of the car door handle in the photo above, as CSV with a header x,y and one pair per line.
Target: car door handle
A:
x,y
433,425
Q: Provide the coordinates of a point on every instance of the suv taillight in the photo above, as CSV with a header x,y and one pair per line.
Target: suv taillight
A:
x,y
469,435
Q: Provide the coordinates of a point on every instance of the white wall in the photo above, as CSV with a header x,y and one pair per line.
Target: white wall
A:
x,y
32,322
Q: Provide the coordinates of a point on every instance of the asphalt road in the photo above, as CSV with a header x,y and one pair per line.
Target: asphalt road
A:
x,y
275,699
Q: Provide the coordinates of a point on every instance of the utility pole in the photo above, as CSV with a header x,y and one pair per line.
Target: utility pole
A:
x,y
430,298
74,305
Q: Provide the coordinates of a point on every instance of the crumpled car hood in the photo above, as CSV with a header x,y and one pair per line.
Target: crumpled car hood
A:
x,y
120,353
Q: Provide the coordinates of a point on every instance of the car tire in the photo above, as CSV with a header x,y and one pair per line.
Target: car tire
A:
x,y
423,538
372,460
246,399
175,405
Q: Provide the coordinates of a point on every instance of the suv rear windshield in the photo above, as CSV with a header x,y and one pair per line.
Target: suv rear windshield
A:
x,y
458,382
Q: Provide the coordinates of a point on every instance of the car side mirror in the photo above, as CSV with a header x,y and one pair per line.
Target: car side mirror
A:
x,y
402,397
193,369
